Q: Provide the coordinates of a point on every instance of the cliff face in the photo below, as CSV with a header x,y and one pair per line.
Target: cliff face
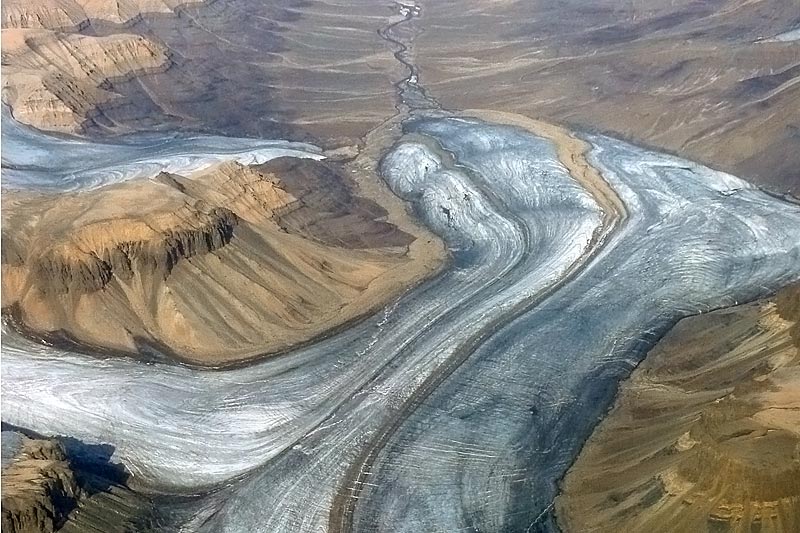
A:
x,y
55,80
272,59
82,252
68,486
214,267
76,14
705,435
39,488
77,268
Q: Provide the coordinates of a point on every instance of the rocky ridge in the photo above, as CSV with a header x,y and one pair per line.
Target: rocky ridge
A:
x,y
705,435
62,484
213,267
76,268
77,14
54,78
39,488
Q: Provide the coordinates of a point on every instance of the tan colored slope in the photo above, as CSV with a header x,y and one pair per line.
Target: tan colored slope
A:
x,y
316,69
697,78
225,265
55,81
48,487
571,152
75,14
704,436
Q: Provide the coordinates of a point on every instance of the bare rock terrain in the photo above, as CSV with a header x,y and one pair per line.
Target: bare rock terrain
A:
x,y
229,263
54,81
39,487
702,79
705,435
302,69
61,484
706,80
55,78
76,14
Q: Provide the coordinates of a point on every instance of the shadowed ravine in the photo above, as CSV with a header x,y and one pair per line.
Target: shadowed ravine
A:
x,y
461,404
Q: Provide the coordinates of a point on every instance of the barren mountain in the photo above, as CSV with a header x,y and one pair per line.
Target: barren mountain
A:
x,y
703,79
39,486
306,69
62,484
705,435
55,80
77,14
709,80
229,263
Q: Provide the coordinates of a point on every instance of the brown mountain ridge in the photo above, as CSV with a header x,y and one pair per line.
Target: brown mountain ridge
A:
x,y
228,263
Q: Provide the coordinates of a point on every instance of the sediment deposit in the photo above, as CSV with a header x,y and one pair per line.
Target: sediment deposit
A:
x,y
717,82
461,402
55,81
714,82
54,78
293,72
77,14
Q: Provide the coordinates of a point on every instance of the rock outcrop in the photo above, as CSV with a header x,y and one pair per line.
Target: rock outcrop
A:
x,y
39,488
62,484
78,14
76,268
54,80
216,267
705,435
242,69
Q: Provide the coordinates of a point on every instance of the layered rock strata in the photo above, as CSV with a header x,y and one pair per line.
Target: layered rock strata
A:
x,y
227,263
55,78
705,435
77,14
39,488
62,484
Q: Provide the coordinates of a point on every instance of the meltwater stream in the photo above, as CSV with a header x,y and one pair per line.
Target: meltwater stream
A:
x,y
525,335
